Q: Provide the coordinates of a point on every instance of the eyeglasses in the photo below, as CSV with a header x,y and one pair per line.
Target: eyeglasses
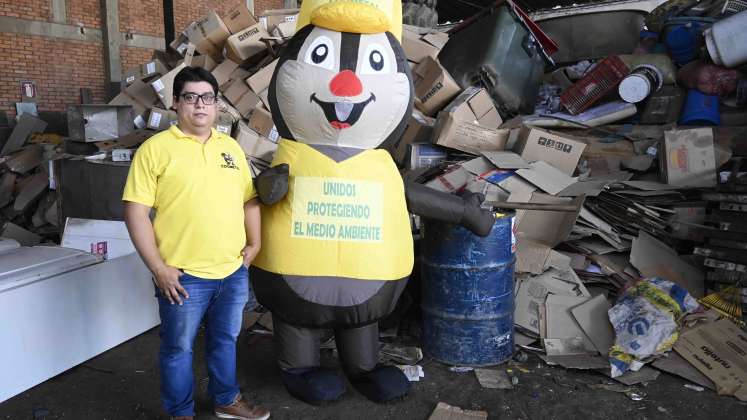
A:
x,y
192,98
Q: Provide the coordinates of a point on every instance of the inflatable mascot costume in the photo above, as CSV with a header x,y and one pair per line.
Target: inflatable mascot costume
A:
x,y
337,247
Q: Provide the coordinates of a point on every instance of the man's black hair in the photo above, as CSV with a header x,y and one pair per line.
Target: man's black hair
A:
x,y
193,74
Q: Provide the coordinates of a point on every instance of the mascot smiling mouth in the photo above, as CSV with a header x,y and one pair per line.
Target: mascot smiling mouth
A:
x,y
342,114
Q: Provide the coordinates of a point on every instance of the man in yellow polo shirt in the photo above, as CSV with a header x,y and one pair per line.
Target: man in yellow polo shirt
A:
x,y
205,234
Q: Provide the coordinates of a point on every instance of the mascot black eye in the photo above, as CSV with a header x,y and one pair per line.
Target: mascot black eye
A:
x,y
376,60
321,53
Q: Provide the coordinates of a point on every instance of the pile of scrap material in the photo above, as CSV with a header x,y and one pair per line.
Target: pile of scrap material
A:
x,y
625,174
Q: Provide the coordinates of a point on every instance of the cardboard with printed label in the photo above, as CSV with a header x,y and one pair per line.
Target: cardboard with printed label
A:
x,y
254,145
132,74
161,119
180,43
247,43
224,122
559,150
154,68
260,81
222,72
719,351
689,158
238,19
261,122
270,19
209,35
434,87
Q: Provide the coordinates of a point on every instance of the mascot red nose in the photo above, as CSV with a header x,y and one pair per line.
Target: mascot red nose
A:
x,y
337,247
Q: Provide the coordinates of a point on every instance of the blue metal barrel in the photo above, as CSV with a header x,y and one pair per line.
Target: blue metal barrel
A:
x,y
468,300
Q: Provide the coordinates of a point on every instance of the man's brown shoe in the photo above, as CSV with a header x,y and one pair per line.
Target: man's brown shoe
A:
x,y
241,410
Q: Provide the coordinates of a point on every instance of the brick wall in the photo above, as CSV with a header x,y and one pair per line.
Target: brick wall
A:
x,y
61,67
132,57
141,17
85,12
27,9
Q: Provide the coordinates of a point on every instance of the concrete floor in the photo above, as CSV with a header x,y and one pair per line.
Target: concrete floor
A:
x,y
123,384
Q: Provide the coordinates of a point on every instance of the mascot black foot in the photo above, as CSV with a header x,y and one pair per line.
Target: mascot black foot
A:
x,y
336,243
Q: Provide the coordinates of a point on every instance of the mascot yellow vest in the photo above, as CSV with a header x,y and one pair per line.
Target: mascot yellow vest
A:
x,y
341,219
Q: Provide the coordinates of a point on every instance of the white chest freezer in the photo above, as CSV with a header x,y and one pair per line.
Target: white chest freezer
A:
x,y
60,307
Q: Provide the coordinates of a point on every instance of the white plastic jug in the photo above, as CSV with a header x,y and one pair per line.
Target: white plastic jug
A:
x,y
727,40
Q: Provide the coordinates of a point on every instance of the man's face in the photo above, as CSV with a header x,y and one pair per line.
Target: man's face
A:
x,y
196,115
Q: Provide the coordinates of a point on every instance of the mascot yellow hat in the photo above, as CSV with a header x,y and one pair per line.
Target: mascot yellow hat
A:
x,y
353,16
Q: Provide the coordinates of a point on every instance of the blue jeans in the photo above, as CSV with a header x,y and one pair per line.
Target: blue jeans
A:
x,y
221,302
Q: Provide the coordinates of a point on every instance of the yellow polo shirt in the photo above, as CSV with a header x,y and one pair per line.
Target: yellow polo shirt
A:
x,y
198,192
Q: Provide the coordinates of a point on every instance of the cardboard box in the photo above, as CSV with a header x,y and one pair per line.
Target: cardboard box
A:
x,y
180,43
559,150
271,18
474,105
548,228
434,87
419,130
132,74
689,158
224,122
437,39
467,137
416,49
719,351
222,72
260,81
261,122
238,19
204,61
242,98
239,74
209,35
161,119
284,30
154,68
253,144
234,90
140,96
164,86
247,43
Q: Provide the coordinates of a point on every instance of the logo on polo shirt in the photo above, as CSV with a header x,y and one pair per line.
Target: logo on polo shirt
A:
x,y
229,161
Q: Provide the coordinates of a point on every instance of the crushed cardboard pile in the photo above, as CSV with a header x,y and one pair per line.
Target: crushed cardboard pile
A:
x,y
634,189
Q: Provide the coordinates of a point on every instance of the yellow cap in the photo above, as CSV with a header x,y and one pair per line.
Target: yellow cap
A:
x,y
354,16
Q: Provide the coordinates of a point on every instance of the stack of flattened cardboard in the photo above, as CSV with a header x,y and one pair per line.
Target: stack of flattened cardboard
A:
x,y
241,52
28,209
